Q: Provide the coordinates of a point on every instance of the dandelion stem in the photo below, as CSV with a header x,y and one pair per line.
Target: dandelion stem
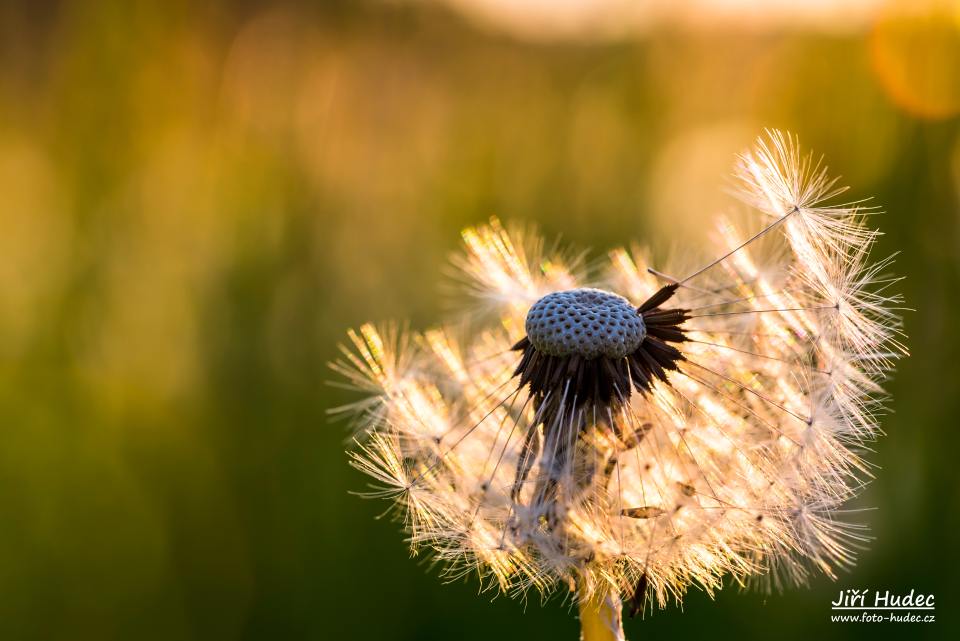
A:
x,y
600,618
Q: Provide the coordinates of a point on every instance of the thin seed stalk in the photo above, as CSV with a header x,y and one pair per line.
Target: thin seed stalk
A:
x,y
600,618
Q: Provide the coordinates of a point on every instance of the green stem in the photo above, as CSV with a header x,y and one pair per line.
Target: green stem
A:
x,y
600,618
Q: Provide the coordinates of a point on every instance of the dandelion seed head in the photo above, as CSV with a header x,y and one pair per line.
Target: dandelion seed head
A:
x,y
588,322
661,428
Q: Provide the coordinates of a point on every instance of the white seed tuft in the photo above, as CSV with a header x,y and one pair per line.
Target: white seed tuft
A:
x,y
585,321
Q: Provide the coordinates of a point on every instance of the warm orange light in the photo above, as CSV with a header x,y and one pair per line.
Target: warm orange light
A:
x,y
915,50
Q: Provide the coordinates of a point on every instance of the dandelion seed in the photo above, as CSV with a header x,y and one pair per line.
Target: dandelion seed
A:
x,y
652,431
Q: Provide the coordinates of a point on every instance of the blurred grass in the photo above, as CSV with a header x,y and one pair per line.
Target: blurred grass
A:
x,y
197,201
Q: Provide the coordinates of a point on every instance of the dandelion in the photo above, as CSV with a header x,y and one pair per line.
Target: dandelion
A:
x,y
627,433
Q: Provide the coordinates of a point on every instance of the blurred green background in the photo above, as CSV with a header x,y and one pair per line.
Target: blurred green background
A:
x,y
197,199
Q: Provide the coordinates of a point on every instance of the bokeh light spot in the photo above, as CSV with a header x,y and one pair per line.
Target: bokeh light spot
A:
x,y
915,51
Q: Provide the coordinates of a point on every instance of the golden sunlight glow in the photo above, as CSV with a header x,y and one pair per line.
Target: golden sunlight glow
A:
x,y
915,50
580,19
